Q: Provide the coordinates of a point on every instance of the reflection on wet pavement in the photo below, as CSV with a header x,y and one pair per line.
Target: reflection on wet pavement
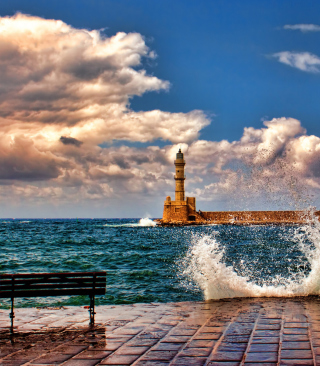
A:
x,y
277,331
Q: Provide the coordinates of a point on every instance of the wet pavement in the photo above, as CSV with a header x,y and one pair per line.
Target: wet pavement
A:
x,y
277,331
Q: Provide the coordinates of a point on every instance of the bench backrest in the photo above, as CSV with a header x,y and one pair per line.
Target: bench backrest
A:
x,y
52,284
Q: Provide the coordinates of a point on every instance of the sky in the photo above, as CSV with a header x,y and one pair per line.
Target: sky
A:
x,y
97,96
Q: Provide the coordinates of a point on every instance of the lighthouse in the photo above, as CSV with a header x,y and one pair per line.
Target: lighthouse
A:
x,y
182,209
179,177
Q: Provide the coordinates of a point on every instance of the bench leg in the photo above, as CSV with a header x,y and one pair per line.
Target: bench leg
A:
x,y
91,310
12,315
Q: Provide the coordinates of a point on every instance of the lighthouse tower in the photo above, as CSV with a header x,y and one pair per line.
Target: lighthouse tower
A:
x,y
179,177
182,209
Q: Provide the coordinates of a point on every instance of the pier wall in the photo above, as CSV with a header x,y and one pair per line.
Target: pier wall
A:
x,y
257,217
181,213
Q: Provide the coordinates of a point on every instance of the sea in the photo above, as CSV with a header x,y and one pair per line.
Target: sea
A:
x,y
146,263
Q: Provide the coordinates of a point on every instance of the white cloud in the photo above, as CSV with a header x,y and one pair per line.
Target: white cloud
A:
x,y
64,91
304,61
303,27
276,164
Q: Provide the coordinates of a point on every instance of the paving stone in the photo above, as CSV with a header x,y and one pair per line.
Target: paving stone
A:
x,y
236,339
168,346
120,360
183,332
296,345
118,337
12,363
188,361
316,342
260,364
160,355
295,337
211,336
224,363
92,354
262,357
76,362
195,352
228,346
295,331
177,339
105,346
212,329
70,350
266,340
295,325
142,342
156,335
276,326
125,350
296,362
266,333
152,363
201,343
296,354
52,358
260,347
227,356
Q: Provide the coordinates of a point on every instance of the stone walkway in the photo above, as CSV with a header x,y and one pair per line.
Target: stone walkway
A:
x,y
232,332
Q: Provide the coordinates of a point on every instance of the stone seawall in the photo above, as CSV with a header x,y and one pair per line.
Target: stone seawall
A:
x,y
246,218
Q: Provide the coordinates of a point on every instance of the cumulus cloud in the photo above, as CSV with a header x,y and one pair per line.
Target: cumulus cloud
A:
x,y
303,61
79,83
64,88
279,162
303,27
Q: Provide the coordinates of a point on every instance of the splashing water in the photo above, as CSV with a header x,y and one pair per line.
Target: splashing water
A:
x,y
206,264
144,222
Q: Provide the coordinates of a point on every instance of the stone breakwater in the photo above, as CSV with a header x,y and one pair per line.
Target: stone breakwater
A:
x,y
241,218
241,331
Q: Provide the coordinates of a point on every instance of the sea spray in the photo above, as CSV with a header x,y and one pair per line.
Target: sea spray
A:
x,y
144,222
147,222
308,238
291,267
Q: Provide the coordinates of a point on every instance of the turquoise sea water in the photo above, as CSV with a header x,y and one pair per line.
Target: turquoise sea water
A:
x,y
154,264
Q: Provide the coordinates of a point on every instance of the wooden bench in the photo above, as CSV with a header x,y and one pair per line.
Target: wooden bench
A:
x,y
53,284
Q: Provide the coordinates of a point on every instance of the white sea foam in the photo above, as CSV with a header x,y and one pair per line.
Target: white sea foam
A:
x,y
144,222
147,222
205,265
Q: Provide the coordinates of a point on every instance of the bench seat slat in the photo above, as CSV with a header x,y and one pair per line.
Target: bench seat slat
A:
x,y
53,292
57,274
20,287
99,280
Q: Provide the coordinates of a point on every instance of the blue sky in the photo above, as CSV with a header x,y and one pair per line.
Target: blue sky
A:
x,y
216,54
220,57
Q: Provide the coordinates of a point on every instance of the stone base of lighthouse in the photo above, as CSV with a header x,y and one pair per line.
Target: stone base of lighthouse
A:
x,y
181,212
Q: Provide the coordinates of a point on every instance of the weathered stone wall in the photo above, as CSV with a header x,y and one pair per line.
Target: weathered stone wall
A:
x,y
191,201
175,211
256,217
183,213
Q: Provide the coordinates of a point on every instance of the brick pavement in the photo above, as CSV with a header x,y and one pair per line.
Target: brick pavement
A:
x,y
275,331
